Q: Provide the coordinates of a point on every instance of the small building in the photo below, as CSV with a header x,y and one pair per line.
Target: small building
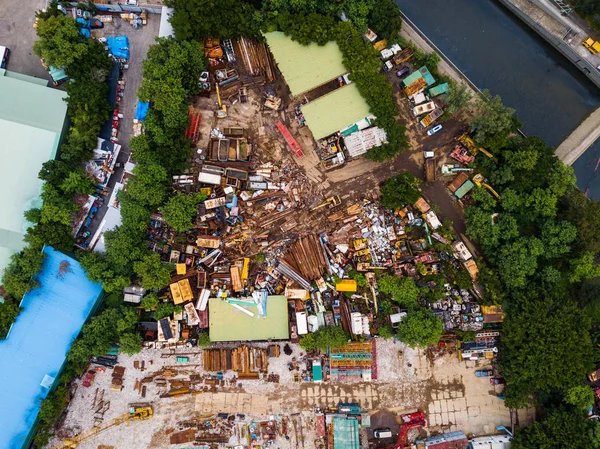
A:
x,y
317,371
492,314
471,267
358,143
133,294
345,432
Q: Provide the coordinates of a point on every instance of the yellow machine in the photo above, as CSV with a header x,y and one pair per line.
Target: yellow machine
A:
x,y
470,145
222,111
137,412
592,45
331,202
212,48
378,46
480,182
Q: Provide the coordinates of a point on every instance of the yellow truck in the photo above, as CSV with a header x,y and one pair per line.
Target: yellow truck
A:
x,y
592,45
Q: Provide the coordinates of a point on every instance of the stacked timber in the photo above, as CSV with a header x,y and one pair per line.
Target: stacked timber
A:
x,y
306,257
257,58
248,362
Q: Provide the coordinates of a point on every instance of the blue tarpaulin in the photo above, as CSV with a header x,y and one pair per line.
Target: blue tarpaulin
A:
x,y
141,110
118,46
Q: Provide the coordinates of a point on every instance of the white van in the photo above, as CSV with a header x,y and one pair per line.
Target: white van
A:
x,y
4,55
382,433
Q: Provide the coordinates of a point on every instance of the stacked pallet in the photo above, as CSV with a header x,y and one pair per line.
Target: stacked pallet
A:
x,y
306,256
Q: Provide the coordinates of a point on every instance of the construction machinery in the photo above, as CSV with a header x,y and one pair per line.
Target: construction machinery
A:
x,y
137,412
470,145
592,45
409,421
480,182
331,202
212,48
222,111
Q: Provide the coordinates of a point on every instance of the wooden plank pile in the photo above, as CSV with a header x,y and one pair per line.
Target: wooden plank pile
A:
x,y
306,257
248,362
256,58
117,378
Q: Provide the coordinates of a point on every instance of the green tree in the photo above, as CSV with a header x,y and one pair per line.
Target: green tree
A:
x,y
204,339
181,209
76,182
457,98
400,190
518,260
541,331
385,18
584,267
580,396
150,301
420,328
148,187
154,274
386,331
493,122
165,309
8,314
130,343
562,429
324,338
402,290
60,42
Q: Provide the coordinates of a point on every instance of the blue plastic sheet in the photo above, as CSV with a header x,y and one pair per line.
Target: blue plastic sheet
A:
x,y
142,110
118,46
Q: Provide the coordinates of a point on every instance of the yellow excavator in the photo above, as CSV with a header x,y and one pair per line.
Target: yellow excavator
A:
x,y
480,182
137,412
222,111
470,145
331,202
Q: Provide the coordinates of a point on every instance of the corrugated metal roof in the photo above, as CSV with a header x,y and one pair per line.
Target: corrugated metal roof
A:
x,y
413,77
360,142
31,121
230,324
345,433
305,67
334,111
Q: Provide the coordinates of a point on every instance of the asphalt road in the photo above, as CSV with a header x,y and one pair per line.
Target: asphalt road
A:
x,y
17,33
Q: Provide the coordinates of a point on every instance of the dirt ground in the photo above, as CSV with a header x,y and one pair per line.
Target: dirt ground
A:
x,y
447,391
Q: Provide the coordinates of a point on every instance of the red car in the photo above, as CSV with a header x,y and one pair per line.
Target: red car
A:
x,y
497,381
89,378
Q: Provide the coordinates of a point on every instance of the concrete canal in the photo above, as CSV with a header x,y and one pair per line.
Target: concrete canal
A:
x,y
499,52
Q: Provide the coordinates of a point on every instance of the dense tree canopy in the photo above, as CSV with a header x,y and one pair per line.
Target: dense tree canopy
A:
x,y
402,290
420,328
181,209
493,122
400,190
562,429
324,338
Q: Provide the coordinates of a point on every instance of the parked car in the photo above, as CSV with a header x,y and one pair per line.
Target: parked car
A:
x,y
4,55
402,72
497,381
434,130
382,433
484,372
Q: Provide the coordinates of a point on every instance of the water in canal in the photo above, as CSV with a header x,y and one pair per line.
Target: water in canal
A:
x,y
499,52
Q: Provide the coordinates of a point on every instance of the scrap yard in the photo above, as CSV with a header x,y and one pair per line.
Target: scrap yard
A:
x,y
284,245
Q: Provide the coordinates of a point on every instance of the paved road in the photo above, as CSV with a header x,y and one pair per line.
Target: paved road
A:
x,y
139,41
17,33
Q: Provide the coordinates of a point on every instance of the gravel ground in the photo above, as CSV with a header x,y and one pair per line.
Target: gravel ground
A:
x,y
446,390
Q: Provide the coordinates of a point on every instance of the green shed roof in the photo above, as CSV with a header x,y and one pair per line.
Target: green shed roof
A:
x,y
335,111
31,122
230,324
305,67
345,433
